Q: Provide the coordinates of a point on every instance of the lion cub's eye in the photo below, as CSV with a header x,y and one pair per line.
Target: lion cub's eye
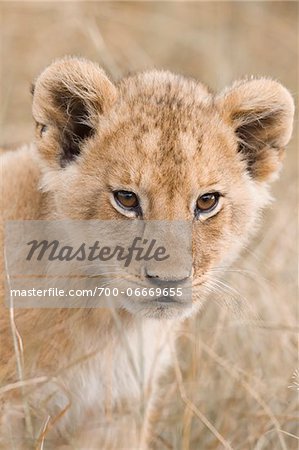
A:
x,y
207,202
126,199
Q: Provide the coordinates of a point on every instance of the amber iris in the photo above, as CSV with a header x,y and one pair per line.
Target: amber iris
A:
x,y
207,202
126,199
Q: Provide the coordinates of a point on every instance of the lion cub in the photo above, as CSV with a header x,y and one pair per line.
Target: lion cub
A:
x,y
154,147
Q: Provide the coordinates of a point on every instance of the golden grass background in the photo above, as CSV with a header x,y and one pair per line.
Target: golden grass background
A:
x,y
233,381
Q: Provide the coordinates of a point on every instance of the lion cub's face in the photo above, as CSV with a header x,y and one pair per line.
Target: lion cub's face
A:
x,y
161,147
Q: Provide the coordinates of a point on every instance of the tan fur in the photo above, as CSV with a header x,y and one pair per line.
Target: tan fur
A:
x,y
170,140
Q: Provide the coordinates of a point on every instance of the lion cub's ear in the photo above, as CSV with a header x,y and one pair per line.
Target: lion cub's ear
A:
x,y
68,99
261,112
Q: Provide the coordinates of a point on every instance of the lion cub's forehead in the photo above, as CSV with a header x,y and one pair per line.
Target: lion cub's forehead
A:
x,y
163,125
157,84
164,111
162,97
167,117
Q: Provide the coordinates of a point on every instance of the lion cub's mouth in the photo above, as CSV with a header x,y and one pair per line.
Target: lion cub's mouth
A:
x,y
165,299
165,307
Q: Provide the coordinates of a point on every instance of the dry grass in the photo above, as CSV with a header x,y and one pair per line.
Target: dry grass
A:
x,y
232,385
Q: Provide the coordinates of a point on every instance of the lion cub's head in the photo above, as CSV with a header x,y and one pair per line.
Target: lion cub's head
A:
x,y
158,146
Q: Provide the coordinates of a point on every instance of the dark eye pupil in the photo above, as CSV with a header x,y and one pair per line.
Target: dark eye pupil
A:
x,y
126,199
207,202
207,198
